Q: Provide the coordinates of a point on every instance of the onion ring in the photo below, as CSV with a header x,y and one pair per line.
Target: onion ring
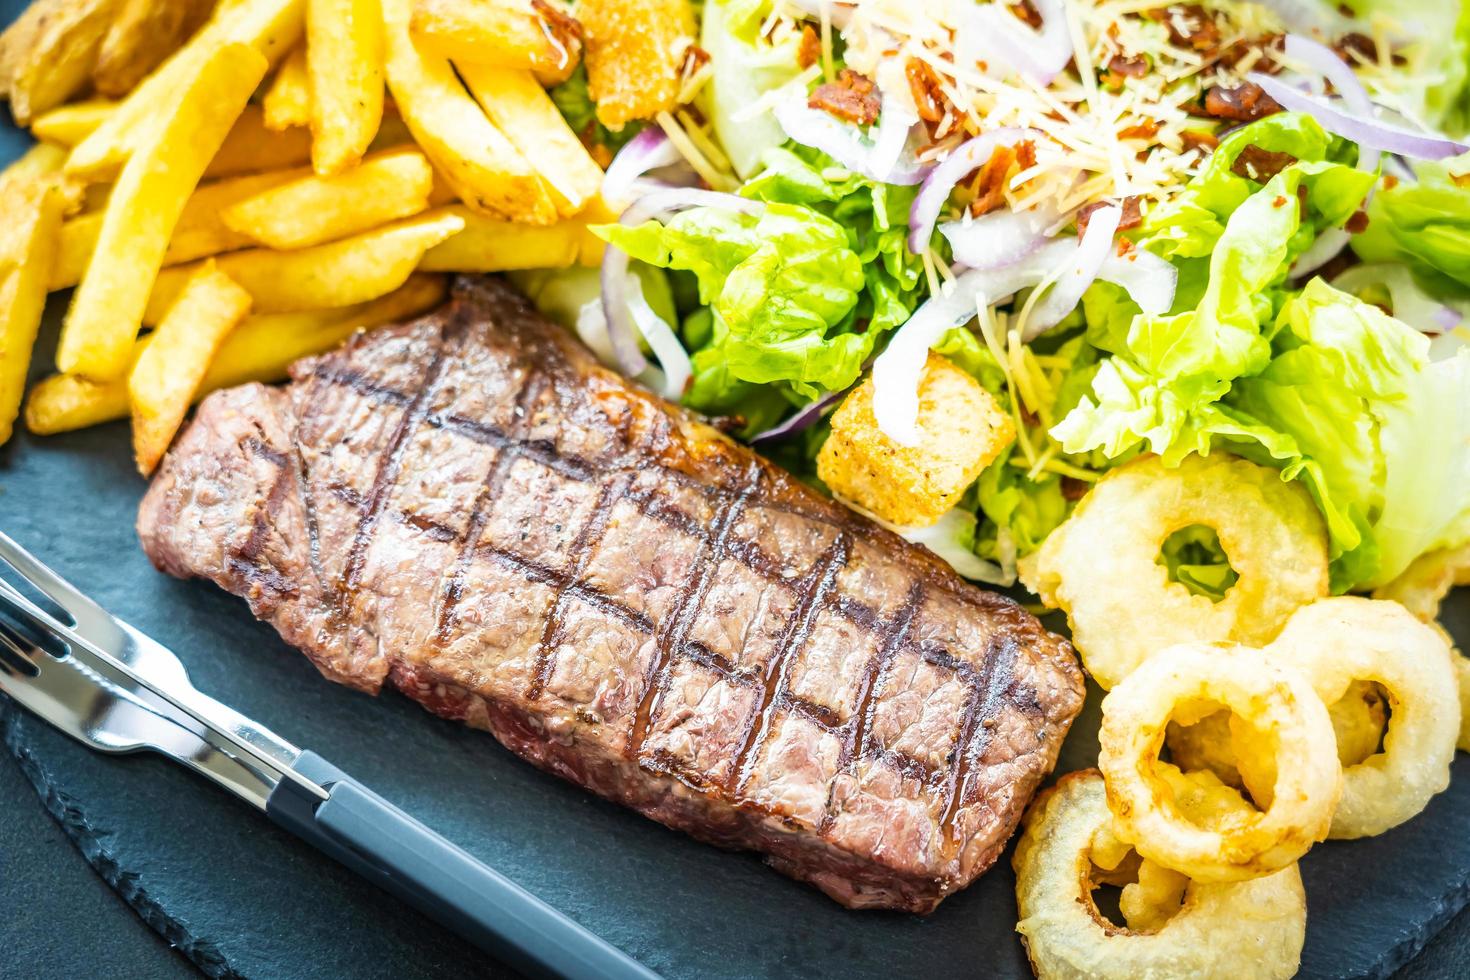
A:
x,y
1176,926
1101,568
1278,704
1337,641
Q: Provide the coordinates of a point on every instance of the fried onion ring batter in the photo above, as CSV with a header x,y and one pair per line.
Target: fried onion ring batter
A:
x,y
1176,926
1101,566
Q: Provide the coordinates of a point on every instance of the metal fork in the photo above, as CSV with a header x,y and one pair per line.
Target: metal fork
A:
x,y
117,690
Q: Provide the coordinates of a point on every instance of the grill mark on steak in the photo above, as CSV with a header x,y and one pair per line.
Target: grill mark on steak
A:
x,y
940,816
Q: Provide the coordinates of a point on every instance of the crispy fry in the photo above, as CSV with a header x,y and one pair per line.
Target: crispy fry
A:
x,y
143,210
353,270
50,51
270,26
39,160
500,34
344,56
259,349
287,100
143,34
251,148
33,210
313,209
200,232
635,55
517,103
487,245
68,125
168,371
479,162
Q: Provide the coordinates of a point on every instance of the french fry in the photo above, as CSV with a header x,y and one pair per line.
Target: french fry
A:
x,y
517,103
200,232
487,172
252,148
353,270
142,35
68,125
287,100
39,160
531,34
635,56
261,348
314,210
167,372
143,209
50,51
344,55
489,245
32,211
270,26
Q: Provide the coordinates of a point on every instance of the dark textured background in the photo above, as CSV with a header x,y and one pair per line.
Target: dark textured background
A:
x,y
239,897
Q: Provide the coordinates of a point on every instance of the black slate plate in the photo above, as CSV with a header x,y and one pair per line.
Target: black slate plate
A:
x,y
240,897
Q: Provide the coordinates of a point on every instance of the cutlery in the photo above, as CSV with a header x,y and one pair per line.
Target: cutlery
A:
x,y
117,690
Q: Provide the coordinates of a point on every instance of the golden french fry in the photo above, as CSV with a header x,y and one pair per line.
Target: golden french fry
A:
x,y
517,103
261,348
635,56
252,148
51,49
39,160
270,26
353,270
313,209
143,209
536,35
143,34
33,211
344,55
167,372
489,245
68,125
487,172
287,100
200,232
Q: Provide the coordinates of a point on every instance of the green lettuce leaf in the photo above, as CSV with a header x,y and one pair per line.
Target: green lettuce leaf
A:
x,y
745,66
574,102
1423,223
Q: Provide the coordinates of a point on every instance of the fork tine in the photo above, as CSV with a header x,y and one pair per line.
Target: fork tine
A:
x,y
86,615
28,609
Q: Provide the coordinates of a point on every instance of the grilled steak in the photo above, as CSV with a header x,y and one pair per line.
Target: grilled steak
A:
x,y
470,509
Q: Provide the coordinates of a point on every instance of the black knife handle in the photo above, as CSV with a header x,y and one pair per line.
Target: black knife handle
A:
x,y
396,852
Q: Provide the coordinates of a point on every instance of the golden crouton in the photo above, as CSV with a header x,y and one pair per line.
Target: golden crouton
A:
x,y
961,431
635,55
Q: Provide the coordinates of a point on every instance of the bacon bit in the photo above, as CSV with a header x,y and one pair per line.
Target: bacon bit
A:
x,y
990,181
1132,214
1459,180
1260,165
1026,12
562,29
1356,45
1131,67
853,97
1026,154
929,97
1246,102
809,51
1073,488
1198,139
1190,25
1390,181
1145,130
1278,202
1339,264
1123,247
1358,223
1269,45
599,153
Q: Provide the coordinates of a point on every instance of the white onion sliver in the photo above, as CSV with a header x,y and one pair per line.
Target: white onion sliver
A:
x,y
1082,268
924,212
672,358
998,238
591,327
1310,15
1330,66
990,34
842,142
944,539
1365,132
647,151
891,136
838,14
1147,279
1327,247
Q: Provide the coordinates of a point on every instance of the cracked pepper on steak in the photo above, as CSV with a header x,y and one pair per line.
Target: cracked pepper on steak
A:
x,y
469,508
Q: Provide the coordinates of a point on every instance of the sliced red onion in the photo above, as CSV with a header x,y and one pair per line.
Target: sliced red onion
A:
x,y
622,331
1092,251
998,238
649,150
1367,131
1330,66
1147,279
676,369
990,34
838,14
941,181
845,143
804,418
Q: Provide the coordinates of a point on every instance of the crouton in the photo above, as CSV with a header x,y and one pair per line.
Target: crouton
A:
x,y
635,55
961,431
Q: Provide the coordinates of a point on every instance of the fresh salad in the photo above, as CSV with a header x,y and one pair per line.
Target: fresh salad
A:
x,y
1178,230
